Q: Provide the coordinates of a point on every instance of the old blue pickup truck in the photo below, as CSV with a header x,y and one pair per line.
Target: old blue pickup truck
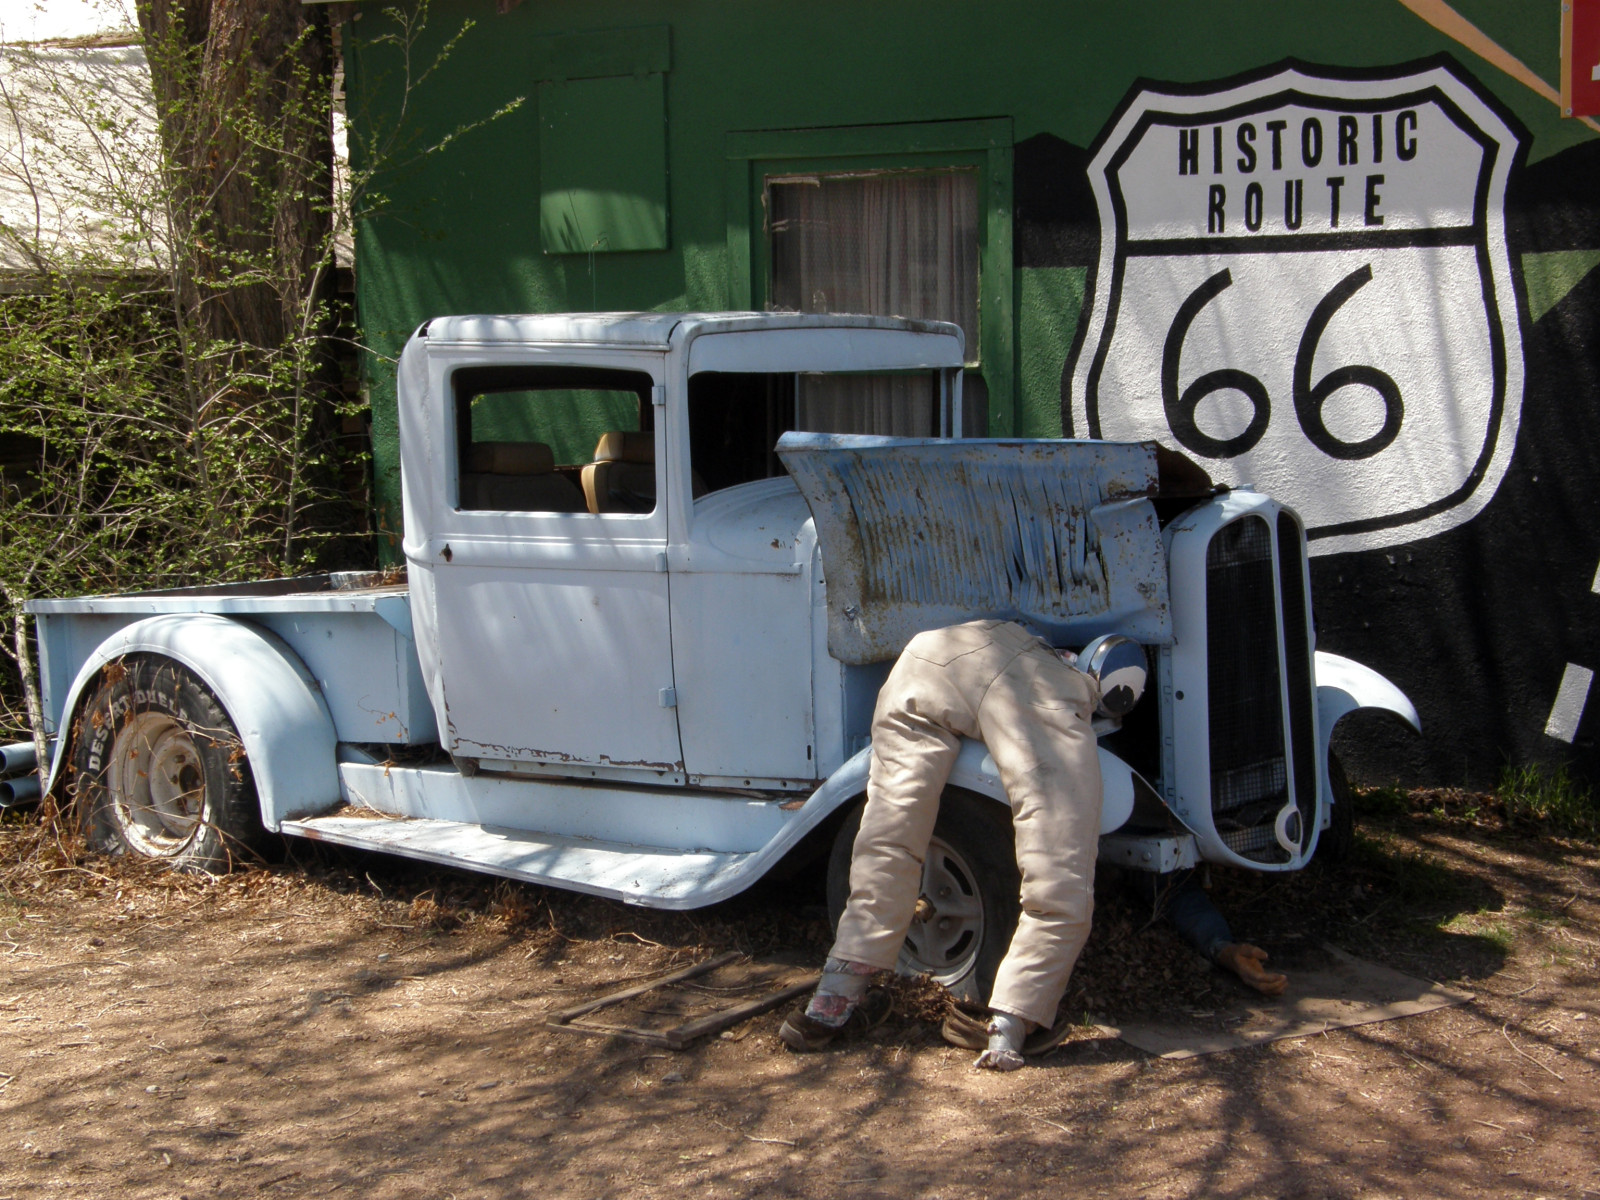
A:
x,y
657,567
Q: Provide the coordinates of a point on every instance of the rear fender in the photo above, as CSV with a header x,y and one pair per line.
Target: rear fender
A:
x,y
265,689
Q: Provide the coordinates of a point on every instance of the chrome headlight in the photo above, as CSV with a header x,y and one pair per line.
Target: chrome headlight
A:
x,y
1117,664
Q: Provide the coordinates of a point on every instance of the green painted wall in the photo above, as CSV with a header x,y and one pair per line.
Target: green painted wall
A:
x,y
461,231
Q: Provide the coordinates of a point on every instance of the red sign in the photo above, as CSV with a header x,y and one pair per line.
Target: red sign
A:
x,y
1580,58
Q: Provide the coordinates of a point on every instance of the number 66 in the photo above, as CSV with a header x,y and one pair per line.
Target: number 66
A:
x,y
1309,398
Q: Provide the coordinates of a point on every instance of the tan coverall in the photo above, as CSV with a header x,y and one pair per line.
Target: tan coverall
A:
x,y
994,681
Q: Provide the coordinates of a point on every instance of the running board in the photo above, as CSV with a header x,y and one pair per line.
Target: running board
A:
x,y
654,877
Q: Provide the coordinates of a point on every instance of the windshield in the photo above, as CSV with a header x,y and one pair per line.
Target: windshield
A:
x,y
736,418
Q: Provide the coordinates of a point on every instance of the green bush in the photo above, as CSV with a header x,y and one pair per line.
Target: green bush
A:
x,y
171,399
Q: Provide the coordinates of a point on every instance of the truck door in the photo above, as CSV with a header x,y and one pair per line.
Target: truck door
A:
x,y
551,590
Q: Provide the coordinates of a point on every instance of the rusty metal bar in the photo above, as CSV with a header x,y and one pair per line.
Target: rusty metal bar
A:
x,y
559,1019
679,1036
682,1035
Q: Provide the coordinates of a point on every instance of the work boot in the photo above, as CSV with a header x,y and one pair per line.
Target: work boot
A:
x,y
970,1031
804,1034
1004,1051
842,1000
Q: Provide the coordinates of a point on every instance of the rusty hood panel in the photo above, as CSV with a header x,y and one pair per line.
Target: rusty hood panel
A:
x,y
921,533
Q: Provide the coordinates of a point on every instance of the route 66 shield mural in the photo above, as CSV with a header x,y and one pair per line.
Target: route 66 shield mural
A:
x,y
1303,283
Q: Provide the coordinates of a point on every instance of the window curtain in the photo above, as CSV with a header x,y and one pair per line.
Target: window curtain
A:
x,y
891,243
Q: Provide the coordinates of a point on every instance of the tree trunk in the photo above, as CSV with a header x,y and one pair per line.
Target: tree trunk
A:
x,y
243,91
242,88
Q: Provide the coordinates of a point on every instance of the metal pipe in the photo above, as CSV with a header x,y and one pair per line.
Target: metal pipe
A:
x,y
14,792
18,757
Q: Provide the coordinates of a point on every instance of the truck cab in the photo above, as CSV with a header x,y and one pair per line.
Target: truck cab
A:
x,y
611,571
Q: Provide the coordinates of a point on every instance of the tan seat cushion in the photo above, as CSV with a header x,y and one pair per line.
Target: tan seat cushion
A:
x,y
621,446
516,477
620,487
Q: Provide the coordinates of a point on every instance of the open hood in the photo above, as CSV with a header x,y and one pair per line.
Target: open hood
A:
x,y
921,533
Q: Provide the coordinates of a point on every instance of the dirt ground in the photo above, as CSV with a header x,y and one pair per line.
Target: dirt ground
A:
x,y
349,1025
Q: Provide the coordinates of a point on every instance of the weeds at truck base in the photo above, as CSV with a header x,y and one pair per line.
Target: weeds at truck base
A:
x,y
1544,916
1527,800
1396,893
1388,801
1550,799
1491,929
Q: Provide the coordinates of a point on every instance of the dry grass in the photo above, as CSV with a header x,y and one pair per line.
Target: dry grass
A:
x,y
1132,963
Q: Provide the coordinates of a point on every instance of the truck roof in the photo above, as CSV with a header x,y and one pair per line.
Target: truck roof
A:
x,y
649,330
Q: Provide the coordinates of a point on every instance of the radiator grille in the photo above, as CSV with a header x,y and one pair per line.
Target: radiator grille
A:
x,y
1298,670
1249,769
1259,843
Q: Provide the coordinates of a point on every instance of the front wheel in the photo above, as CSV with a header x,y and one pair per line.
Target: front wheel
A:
x,y
159,771
1339,838
970,895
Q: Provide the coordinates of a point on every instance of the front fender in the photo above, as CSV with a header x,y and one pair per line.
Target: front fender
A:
x,y
975,771
1344,685
263,686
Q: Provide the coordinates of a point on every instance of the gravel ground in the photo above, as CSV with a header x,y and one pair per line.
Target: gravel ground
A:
x,y
343,1024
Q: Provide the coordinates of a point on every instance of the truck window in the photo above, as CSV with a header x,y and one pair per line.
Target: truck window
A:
x,y
536,438
735,418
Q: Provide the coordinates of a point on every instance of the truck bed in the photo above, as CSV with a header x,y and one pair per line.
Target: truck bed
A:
x,y
339,591
352,629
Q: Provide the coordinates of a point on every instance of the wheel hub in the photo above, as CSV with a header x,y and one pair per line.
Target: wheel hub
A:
x,y
156,783
947,928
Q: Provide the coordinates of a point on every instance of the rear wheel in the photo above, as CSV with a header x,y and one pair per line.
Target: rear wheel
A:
x,y
159,771
969,900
